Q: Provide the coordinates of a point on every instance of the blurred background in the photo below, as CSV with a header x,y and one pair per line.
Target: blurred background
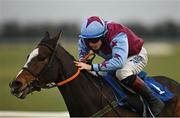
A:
x,y
23,23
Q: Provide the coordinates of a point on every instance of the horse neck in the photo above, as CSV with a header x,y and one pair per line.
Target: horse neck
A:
x,y
80,95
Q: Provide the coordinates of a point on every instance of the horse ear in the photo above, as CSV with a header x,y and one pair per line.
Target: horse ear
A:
x,y
56,37
46,34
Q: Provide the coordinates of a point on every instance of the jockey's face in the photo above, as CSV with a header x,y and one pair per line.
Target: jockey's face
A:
x,y
96,45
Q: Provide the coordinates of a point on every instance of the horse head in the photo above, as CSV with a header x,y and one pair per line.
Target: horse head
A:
x,y
34,75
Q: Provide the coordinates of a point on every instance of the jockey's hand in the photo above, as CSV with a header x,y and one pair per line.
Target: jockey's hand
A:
x,y
82,65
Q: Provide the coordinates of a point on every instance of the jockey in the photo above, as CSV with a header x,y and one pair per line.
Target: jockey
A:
x,y
123,52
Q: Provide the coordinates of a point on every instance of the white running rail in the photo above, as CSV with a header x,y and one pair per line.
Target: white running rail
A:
x,y
32,114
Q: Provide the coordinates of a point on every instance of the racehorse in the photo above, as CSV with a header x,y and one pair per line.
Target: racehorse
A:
x,y
49,65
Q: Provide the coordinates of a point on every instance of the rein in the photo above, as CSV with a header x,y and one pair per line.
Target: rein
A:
x,y
109,107
69,79
76,74
51,85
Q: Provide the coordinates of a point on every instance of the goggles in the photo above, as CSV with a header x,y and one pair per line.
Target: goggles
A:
x,y
92,40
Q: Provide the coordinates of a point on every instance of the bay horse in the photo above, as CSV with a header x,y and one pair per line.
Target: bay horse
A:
x,y
85,95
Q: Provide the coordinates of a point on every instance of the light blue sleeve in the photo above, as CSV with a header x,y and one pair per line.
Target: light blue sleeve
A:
x,y
82,49
120,49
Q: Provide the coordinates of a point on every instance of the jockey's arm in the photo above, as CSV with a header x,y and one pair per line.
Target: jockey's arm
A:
x,y
119,54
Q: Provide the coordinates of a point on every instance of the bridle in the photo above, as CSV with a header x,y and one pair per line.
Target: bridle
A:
x,y
46,67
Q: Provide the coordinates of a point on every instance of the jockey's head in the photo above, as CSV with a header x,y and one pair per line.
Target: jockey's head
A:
x,y
93,30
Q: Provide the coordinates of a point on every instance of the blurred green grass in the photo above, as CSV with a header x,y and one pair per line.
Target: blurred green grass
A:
x,y
13,57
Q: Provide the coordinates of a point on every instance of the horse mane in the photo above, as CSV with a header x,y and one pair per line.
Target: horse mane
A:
x,y
85,77
62,48
85,72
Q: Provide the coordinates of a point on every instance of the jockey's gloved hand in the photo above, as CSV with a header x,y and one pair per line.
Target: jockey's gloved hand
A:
x,y
89,61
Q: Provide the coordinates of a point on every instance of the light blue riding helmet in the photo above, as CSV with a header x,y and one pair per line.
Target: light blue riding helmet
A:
x,y
93,27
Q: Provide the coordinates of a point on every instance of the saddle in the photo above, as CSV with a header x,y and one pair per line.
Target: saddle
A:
x,y
127,97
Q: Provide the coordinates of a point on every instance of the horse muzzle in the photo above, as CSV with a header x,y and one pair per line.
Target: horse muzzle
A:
x,y
17,90
20,91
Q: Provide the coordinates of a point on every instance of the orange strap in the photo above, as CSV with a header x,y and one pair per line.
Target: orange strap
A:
x,y
69,79
76,74
87,56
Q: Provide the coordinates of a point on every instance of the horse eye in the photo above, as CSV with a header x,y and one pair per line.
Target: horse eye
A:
x,y
41,58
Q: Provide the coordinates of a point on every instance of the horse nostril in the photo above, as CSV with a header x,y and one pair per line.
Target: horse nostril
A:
x,y
16,85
